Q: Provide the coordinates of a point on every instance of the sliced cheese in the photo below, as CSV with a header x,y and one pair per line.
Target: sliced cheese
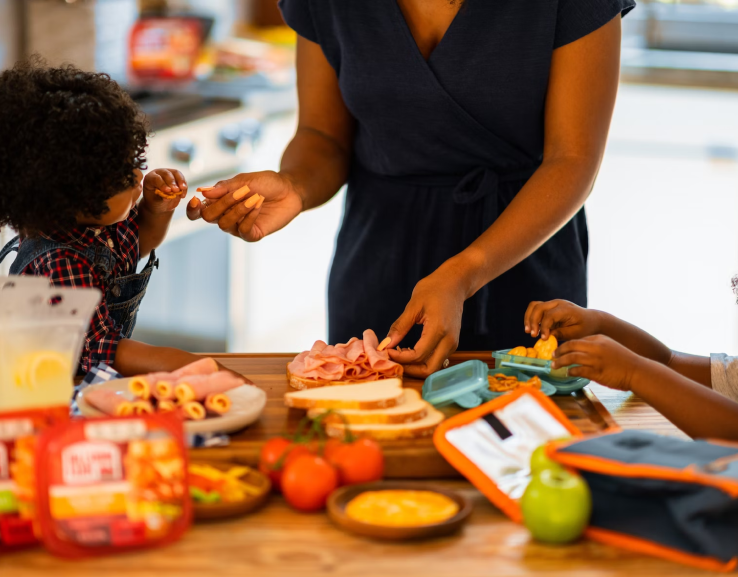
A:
x,y
412,408
366,396
381,432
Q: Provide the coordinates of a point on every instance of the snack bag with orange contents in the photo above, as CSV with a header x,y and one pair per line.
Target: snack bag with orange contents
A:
x,y
113,484
18,436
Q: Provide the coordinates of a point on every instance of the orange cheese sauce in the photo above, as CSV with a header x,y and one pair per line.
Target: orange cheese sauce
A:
x,y
398,508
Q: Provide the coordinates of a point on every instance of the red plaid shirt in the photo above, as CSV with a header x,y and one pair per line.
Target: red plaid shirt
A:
x,y
67,268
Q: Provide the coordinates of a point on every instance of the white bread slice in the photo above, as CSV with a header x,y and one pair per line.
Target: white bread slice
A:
x,y
302,383
412,408
422,428
366,396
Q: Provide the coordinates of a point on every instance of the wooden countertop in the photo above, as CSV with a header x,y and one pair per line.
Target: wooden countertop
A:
x,y
280,542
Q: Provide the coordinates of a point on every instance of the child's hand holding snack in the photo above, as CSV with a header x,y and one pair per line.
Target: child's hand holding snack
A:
x,y
600,359
562,319
163,188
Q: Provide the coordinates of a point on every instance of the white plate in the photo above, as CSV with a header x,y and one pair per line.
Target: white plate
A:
x,y
247,404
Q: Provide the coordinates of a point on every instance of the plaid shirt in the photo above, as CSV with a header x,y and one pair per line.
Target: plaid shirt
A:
x,y
67,268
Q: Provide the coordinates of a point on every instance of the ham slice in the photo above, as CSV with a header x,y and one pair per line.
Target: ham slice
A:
x,y
355,361
197,387
109,402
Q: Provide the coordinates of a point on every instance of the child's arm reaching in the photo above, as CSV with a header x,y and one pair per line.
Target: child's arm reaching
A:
x,y
567,321
163,188
697,410
137,358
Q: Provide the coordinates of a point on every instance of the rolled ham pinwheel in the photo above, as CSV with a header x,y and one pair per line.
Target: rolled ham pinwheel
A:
x,y
109,402
192,411
164,391
166,406
197,387
142,408
218,403
140,387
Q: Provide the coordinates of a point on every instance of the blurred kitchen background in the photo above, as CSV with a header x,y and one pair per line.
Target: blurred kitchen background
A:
x,y
216,78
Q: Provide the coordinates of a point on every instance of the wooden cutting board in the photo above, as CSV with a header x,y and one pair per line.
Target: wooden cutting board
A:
x,y
403,459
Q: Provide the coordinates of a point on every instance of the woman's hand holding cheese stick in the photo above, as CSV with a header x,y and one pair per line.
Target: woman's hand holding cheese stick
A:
x,y
249,206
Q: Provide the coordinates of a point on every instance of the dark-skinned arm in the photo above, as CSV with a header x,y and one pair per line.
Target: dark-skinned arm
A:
x,y
579,104
137,358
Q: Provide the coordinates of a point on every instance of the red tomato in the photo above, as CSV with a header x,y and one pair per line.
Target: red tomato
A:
x,y
359,462
275,454
307,482
331,447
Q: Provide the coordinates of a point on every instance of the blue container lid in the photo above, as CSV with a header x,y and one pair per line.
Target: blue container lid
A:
x,y
458,384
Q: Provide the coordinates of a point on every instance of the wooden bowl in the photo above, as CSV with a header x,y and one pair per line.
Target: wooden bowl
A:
x,y
214,511
340,498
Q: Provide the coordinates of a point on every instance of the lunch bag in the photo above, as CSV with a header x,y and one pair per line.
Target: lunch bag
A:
x,y
665,496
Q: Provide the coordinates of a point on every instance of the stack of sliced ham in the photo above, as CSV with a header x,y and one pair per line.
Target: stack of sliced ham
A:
x,y
192,392
356,361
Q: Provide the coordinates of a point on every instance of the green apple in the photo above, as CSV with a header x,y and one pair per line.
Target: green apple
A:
x,y
539,461
556,506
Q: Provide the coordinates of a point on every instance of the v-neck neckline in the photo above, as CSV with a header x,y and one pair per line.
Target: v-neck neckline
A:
x,y
409,33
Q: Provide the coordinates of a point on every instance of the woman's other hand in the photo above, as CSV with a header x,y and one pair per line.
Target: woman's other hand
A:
x,y
249,206
437,303
600,359
562,319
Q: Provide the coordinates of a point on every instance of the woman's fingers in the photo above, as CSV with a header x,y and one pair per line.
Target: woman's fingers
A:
x,y
224,187
399,329
445,348
213,211
246,227
229,222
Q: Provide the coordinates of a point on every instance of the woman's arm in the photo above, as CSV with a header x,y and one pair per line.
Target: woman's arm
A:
x,y
314,166
695,409
580,100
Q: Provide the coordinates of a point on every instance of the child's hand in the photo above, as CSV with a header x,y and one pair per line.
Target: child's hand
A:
x,y
163,188
562,319
601,359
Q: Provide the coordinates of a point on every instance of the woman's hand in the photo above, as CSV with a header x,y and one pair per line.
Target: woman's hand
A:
x,y
236,212
437,303
601,359
171,186
562,319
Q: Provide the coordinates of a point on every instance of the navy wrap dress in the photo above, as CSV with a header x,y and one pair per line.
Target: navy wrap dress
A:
x,y
441,148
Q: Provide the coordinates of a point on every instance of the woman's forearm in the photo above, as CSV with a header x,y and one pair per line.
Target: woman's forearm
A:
x,y
316,165
551,197
697,410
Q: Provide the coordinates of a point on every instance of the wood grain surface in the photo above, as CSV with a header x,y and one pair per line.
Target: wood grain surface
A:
x,y
407,459
277,541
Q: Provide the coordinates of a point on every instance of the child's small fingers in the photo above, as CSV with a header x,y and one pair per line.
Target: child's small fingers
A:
x,y
179,179
154,180
575,358
169,179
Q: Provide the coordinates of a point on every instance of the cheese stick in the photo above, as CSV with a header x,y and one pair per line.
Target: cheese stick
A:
x,y
193,411
197,387
217,403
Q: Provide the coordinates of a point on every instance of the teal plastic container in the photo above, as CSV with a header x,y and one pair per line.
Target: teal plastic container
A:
x,y
460,384
559,378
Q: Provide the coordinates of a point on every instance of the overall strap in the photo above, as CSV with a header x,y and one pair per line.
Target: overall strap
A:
x,y
10,247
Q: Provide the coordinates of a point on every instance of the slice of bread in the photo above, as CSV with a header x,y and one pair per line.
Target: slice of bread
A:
x,y
302,383
421,428
365,396
412,408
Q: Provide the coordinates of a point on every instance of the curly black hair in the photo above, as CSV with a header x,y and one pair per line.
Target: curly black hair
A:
x,y
69,141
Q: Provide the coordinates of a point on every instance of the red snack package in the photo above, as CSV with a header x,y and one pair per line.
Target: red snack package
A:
x,y
18,435
112,484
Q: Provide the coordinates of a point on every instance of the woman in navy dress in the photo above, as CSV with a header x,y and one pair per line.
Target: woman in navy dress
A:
x,y
470,134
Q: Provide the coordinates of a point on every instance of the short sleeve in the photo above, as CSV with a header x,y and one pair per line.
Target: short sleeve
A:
x,y
724,375
577,18
298,16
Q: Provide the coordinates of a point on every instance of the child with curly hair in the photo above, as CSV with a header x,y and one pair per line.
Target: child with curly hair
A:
x,y
72,151
698,394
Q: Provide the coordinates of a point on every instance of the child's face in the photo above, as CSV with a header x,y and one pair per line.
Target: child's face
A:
x,y
118,206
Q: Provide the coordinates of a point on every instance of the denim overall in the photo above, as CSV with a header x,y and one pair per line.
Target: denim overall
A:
x,y
123,294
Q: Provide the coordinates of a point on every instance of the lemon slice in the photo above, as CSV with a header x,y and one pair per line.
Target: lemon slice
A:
x,y
42,370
